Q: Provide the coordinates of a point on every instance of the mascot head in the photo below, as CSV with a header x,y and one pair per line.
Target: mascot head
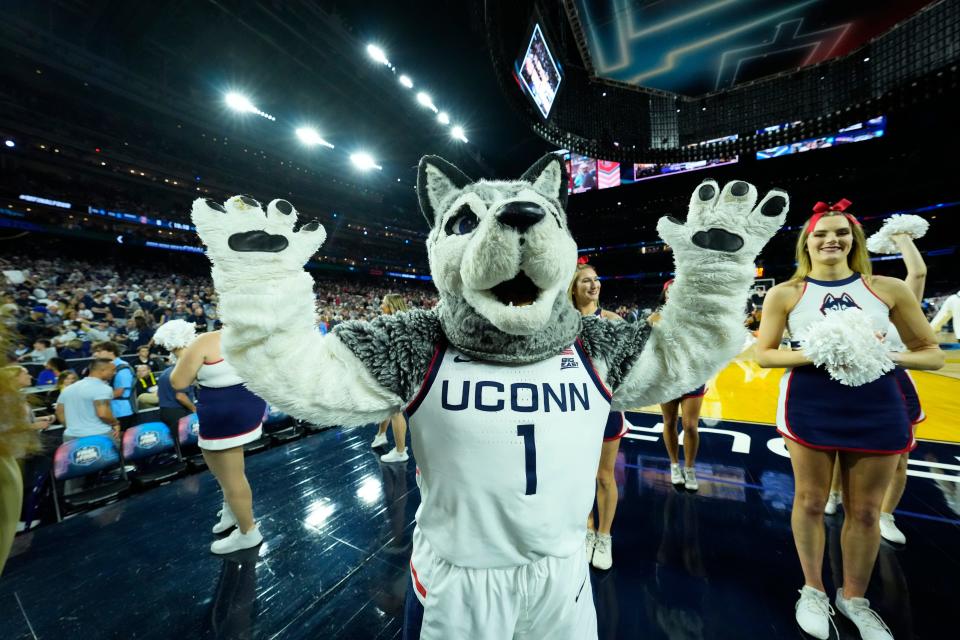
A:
x,y
500,249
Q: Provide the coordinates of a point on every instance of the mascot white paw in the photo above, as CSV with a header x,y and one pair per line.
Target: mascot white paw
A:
x,y
724,226
246,243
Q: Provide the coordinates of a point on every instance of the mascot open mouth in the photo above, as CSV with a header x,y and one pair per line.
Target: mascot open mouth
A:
x,y
518,291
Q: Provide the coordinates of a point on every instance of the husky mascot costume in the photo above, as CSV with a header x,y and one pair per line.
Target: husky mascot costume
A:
x,y
506,385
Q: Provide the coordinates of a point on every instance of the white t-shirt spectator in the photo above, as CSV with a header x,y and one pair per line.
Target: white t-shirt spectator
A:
x,y
95,334
42,355
85,313
67,336
79,410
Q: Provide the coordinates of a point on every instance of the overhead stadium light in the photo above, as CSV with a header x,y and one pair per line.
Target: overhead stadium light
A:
x,y
443,118
364,161
241,103
310,137
427,101
406,81
457,132
10,143
377,54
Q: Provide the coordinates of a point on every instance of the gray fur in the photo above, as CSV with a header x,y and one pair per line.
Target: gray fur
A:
x,y
395,348
615,344
438,182
473,334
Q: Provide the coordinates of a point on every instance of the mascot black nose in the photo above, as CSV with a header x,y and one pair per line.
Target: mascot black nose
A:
x,y
520,215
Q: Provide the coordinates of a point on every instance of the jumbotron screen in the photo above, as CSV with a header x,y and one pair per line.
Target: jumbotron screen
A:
x,y
859,132
589,174
538,73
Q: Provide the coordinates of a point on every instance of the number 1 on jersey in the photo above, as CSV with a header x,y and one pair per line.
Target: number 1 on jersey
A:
x,y
530,455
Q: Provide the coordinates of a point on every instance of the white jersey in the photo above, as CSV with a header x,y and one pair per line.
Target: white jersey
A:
x,y
218,374
507,456
893,341
820,297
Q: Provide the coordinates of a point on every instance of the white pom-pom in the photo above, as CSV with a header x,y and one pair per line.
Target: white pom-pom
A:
x,y
911,225
175,334
845,344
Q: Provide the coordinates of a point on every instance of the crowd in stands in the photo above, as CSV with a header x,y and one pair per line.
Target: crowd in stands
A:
x,y
58,307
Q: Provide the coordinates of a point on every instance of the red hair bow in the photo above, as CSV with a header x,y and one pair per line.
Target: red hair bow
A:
x,y
839,205
583,260
821,208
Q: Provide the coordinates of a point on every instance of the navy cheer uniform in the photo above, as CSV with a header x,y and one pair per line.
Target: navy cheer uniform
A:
x,y
228,413
699,392
819,412
907,387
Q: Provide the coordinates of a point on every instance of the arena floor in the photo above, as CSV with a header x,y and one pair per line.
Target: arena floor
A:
x,y
714,565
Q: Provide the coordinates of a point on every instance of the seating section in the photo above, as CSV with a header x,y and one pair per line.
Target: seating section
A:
x,y
151,446
86,462
148,456
281,427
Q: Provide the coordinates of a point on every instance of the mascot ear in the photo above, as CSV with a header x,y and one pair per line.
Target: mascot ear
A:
x,y
437,179
549,177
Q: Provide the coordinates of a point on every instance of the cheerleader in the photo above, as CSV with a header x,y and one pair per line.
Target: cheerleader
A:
x,y
819,416
896,237
688,406
585,295
393,303
229,416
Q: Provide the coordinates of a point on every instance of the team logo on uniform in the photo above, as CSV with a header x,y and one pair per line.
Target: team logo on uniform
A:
x,y
86,455
833,303
567,360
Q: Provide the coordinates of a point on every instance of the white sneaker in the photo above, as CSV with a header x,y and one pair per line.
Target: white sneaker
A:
x,y
676,474
858,610
889,530
603,552
813,612
380,440
395,456
590,543
23,526
237,541
227,519
690,479
832,502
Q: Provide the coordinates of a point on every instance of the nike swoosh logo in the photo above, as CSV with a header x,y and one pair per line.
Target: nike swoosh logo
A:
x,y
461,359
581,589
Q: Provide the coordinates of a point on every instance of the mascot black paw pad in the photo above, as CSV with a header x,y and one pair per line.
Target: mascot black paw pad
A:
x,y
717,240
257,241
774,206
213,204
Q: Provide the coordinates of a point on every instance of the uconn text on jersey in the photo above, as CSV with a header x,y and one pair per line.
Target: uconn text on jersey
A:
x,y
523,397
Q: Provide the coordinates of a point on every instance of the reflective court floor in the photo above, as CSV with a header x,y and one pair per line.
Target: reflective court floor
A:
x,y
337,523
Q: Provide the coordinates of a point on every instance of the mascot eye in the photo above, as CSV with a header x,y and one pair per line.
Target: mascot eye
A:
x,y
463,222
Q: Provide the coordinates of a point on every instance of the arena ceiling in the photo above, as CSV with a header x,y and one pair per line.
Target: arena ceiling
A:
x,y
695,47
302,61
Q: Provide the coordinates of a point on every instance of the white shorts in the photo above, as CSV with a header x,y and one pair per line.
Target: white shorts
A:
x,y
550,598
